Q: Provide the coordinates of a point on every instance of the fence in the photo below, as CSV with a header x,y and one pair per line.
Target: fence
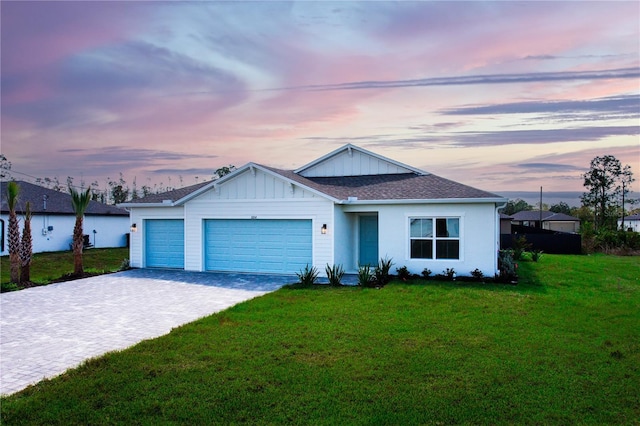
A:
x,y
541,239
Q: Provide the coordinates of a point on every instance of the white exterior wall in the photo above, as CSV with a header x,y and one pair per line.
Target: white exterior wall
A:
x,y
138,216
110,231
478,235
633,224
257,195
354,163
344,236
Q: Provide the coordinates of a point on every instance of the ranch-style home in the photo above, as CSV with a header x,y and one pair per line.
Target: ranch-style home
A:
x,y
350,207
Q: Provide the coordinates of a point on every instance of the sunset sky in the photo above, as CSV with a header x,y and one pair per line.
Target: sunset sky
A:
x,y
503,96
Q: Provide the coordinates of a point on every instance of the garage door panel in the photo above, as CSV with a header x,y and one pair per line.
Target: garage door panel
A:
x,y
164,243
279,246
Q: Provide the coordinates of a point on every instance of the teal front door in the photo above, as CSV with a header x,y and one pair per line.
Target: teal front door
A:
x,y
368,241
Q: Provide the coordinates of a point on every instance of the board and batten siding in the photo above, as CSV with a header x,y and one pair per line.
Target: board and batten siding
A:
x,y
478,230
353,163
258,196
138,216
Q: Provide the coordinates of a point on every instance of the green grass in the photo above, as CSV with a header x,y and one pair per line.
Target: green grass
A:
x,y
46,267
562,347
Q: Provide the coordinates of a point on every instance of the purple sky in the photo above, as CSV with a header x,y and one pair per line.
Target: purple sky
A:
x,y
499,95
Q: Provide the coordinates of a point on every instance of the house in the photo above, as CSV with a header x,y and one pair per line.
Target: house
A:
x,y
350,207
631,223
53,220
505,223
551,221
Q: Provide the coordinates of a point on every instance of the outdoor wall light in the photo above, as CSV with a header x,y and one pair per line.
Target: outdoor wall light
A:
x,y
134,228
324,229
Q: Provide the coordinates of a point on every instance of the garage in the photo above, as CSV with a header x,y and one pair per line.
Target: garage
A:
x,y
242,245
164,243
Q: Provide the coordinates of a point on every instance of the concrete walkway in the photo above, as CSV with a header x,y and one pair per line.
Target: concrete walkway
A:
x,y
46,330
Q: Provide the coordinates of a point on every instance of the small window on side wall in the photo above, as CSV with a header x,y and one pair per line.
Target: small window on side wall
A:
x,y
445,244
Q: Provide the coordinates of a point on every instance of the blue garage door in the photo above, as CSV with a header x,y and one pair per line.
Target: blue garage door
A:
x,y
164,243
275,246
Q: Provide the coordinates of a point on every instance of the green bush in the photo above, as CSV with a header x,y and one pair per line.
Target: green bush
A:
x,y
365,276
403,273
477,274
382,271
507,266
520,246
426,273
334,274
308,275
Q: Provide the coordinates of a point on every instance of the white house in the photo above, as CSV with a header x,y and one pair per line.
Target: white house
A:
x,y
631,223
349,207
53,220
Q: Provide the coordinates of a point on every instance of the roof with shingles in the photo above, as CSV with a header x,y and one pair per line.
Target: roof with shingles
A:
x,y
56,202
547,216
173,195
405,186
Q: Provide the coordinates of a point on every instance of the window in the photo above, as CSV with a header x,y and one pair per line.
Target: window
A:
x,y
444,242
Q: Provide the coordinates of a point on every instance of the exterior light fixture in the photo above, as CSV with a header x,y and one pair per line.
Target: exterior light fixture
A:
x,y
134,228
323,230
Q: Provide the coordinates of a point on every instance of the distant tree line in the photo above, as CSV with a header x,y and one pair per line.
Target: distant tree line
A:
x,y
113,191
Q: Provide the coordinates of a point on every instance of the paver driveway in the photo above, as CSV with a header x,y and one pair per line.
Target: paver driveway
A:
x,y
46,330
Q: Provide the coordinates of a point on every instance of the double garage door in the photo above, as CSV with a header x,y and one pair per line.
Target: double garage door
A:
x,y
276,246
237,245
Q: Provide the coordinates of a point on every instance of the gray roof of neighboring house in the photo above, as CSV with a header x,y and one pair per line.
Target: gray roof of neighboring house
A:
x,y
173,195
632,217
547,216
56,202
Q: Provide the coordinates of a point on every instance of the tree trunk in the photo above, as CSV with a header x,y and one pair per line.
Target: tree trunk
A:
x,y
26,250
78,243
14,247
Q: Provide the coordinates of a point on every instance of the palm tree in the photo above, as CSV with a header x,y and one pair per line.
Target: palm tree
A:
x,y
26,248
14,231
80,202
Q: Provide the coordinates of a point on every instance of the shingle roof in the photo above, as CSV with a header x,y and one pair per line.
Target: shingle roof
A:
x,y
57,202
405,186
632,217
173,195
547,216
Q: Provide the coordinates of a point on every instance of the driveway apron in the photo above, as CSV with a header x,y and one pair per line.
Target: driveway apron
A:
x,y
46,330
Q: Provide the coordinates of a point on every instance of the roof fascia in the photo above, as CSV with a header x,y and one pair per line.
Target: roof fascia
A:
x,y
364,151
427,201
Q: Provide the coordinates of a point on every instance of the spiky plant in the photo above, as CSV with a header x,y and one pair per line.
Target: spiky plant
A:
x,y
14,231
79,202
26,246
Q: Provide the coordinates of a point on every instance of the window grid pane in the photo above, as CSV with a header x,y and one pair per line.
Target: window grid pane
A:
x,y
446,243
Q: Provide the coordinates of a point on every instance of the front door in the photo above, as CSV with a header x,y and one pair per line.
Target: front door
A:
x,y
368,243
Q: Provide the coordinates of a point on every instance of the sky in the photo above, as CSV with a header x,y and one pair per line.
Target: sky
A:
x,y
499,95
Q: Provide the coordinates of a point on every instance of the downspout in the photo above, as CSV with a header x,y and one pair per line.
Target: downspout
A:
x,y
496,271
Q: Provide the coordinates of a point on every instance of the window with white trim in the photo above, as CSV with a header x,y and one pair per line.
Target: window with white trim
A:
x,y
434,237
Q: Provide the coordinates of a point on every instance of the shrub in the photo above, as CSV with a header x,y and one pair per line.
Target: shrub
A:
x,y
520,245
382,271
4,287
426,273
125,265
507,266
308,275
450,273
535,255
477,274
334,274
365,276
403,273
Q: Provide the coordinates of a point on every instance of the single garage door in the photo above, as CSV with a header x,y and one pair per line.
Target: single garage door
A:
x,y
164,243
275,246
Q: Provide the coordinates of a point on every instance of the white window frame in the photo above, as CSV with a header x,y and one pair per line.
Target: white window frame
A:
x,y
434,238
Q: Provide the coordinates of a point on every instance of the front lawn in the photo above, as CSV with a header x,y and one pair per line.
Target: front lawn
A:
x,y
50,266
563,347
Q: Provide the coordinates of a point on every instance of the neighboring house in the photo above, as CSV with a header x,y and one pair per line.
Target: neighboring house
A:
x,y
631,223
551,221
53,220
505,223
349,207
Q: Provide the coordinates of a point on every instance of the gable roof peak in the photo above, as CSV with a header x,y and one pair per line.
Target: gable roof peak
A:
x,y
352,160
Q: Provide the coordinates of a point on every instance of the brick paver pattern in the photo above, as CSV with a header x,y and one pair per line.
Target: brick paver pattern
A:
x,y
46,330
